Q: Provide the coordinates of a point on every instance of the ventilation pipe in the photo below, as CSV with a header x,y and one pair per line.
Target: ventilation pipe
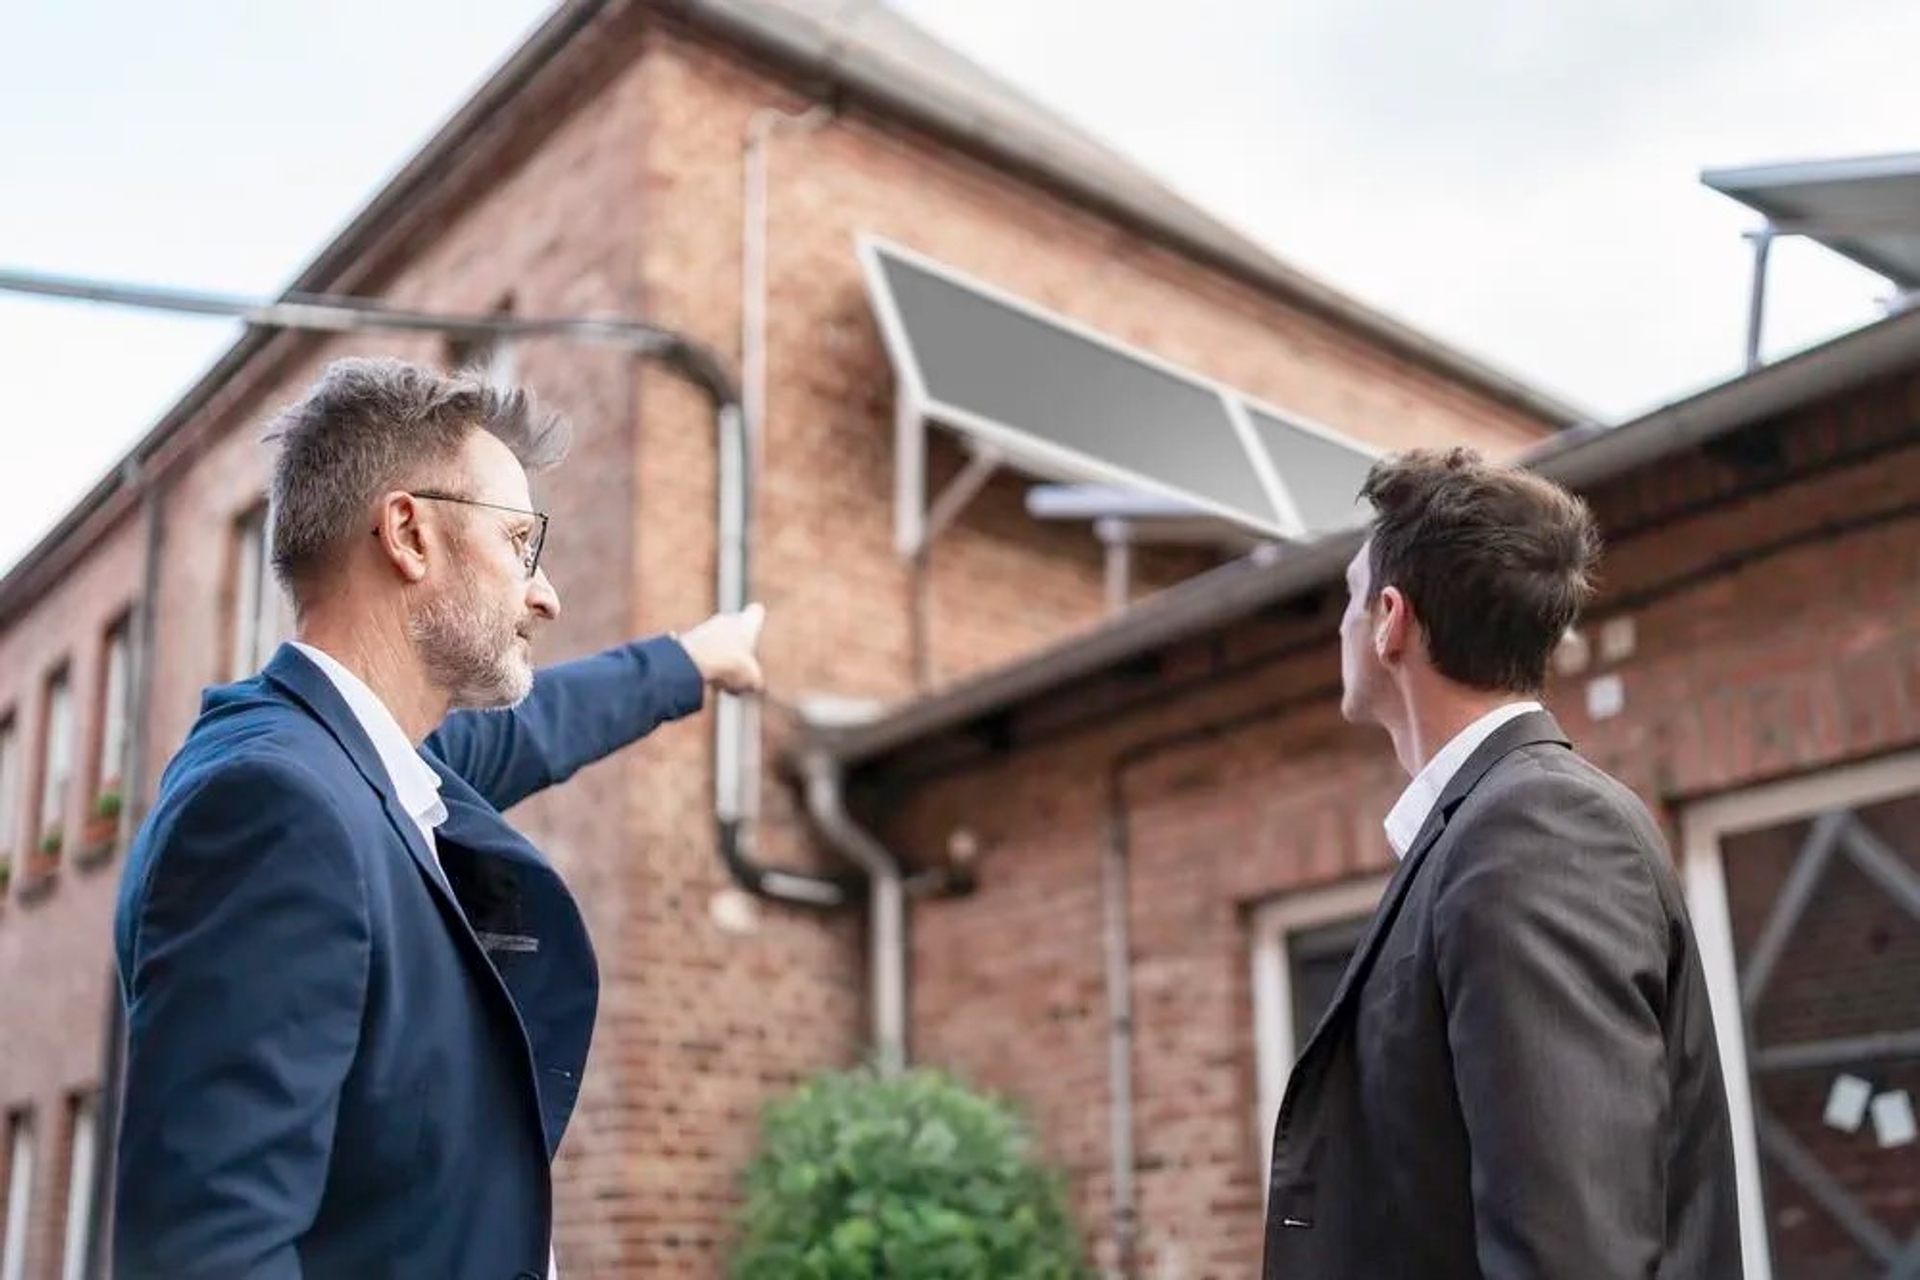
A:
x,y
675,351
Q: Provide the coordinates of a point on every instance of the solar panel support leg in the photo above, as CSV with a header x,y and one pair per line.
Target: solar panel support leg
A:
x,y
909,478
916,521
961,490
1117,537
1757,301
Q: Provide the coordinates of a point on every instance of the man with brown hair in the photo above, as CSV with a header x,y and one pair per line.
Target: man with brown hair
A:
x,y
1517,1077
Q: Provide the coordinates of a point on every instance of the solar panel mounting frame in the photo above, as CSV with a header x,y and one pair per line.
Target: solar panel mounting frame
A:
x,y
993,444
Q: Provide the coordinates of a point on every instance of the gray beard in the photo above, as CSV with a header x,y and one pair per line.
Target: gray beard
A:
x,y
471,653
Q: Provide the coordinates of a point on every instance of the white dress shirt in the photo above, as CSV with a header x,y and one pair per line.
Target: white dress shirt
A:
x,y
414,781
1409,813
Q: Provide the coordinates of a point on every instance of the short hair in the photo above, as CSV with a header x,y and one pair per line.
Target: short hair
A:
x,y
370,425
1496,562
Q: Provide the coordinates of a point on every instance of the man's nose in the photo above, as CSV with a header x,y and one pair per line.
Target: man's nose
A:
x,y
541,597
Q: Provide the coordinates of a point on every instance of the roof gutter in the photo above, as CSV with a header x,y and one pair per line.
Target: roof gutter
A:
x,y
1579,459
350,257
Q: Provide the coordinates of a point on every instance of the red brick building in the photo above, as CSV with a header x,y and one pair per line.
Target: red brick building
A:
x,y
710,166
1173,836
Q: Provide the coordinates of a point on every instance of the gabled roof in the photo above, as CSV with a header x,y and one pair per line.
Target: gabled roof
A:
x,y
863,52
867,49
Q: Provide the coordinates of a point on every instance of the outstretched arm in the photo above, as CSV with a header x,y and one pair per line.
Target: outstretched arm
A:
x,y
579,712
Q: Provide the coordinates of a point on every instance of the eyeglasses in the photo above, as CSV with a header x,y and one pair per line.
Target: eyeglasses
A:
x,y
529,543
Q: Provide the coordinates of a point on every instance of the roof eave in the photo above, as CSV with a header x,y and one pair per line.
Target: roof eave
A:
x,y
1577,459
329,270
1188,230
349,256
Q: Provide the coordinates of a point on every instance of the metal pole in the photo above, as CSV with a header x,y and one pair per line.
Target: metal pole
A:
x,y
694,361
338,314
1757,304
1117,537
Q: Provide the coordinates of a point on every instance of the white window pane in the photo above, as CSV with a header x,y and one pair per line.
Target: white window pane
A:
x,y
58,761
272,612
79,1192
9,788
113,728
13,1258
251,536
270,626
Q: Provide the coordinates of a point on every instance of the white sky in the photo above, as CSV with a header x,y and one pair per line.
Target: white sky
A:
x,y
1519,177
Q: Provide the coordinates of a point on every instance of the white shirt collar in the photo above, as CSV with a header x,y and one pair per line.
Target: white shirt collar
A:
x,y
414,781
1409,813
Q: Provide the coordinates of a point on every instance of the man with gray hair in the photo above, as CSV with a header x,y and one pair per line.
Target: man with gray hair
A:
x,y
358,1001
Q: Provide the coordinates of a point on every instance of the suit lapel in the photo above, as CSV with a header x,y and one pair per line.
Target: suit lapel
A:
x,y
1527,730
307,685
310,687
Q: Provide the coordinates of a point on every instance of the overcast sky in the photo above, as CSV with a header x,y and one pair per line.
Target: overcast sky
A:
x,y
1519,177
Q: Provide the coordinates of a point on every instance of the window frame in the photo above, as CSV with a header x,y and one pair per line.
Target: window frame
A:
x,y
257,614
13,810
114,713
55,793
14,1240
1704,824
83,1117
1273,924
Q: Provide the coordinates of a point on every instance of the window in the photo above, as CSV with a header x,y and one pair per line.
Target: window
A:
x,y
116,689
1316,961
1301,945
260,615
9,796
56,769
13,1254
80,1171
1805,901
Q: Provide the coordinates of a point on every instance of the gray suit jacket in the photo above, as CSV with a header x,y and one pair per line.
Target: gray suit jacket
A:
x,y
1517,1076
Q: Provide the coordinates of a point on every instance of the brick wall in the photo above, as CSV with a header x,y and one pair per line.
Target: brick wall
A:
x,y
55,952
788,996
526,245
1787,662
630,204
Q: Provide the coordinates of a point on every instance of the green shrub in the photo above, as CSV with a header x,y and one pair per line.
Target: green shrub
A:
x,y
909,1177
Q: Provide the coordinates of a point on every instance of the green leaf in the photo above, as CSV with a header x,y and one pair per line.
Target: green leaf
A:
x,y
905,1177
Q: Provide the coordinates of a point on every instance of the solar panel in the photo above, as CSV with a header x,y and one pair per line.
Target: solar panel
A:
x,y
1063,402
1866,209
1321,474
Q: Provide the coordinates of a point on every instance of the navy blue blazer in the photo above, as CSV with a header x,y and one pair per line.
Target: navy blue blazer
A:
x,y
343,1061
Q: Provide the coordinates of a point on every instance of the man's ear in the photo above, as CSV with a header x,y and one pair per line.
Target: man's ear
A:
x,y
1393,625
401,535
